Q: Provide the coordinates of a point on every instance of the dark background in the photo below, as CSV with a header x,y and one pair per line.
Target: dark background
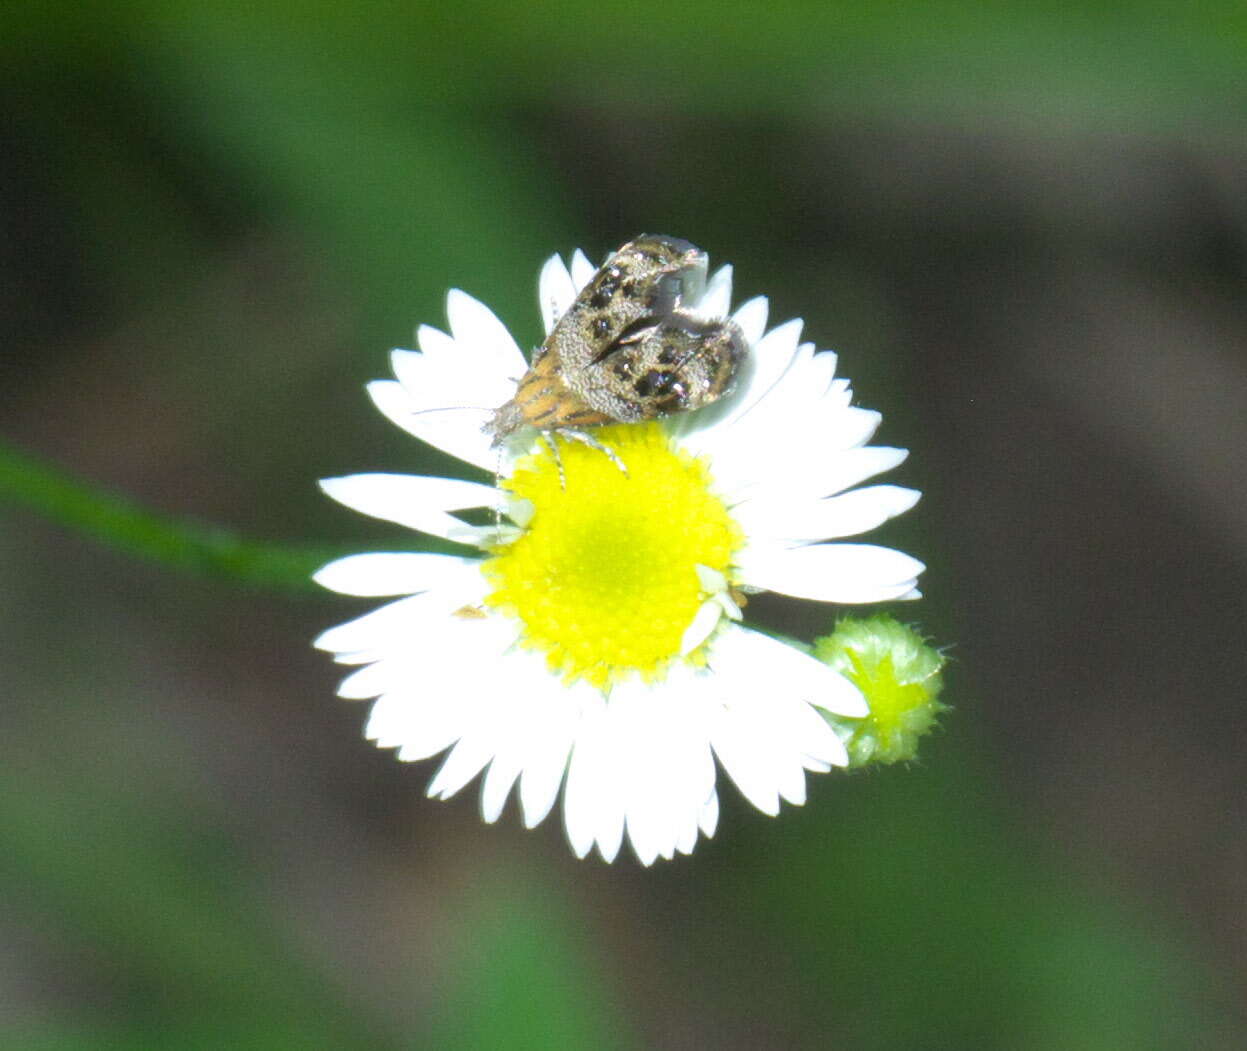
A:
x,y
1024,228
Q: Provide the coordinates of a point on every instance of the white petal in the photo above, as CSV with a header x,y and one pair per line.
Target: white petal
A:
x,y
610,831
543,773
496,786
820,378
772,356
711,580
749,658
804,479
541,718
423,665
592,809
751,317
848,573
787,720
829,747
366,683
786,404
555,290
457,431
474,367
688,837
358,657
728,605
704,622
791,784
529,720
418,502
846,428
644,836
443,386
635,732
746,763
579,789
382,573
417,616
708,818
849,514
481,335
661,737
433,695
716,301
464,762
854,466
441,379
767,361
437,348
418,727
358,635
764,737
581,269
664,767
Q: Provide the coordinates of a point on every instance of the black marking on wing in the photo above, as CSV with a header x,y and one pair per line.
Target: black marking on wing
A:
x,y
628,334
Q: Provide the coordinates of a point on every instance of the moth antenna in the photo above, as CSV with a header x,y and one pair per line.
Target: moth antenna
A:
x,y
454,408
497,462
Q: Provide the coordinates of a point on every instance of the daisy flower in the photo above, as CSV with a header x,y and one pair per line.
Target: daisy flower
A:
x,y
590,639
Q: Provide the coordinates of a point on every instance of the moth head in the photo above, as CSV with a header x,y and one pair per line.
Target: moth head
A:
x,y
673,269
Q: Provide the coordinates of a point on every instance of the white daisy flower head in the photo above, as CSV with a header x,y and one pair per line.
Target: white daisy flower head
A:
x,y
590,640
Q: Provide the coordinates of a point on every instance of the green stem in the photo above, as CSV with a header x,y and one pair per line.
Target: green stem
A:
x,y
195,547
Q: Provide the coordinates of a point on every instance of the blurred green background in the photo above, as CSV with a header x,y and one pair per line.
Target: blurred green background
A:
x,y
1024,227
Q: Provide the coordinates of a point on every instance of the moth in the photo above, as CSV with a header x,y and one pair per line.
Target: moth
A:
x,y
629,348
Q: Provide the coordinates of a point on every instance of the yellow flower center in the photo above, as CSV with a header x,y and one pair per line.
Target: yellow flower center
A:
x,y
604,577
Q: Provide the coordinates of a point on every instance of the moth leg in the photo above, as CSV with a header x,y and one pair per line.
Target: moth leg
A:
x,y
548,438
587,439
498,486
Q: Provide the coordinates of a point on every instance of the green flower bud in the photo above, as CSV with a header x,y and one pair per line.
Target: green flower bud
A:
x,y
898,674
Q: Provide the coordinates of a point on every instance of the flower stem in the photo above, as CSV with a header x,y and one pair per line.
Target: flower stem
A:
x,y
196,547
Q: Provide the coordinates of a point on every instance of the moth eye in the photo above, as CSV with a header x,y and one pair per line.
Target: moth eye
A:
x,y
601,327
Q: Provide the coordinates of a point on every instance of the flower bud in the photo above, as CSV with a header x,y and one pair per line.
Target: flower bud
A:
x,y
898,673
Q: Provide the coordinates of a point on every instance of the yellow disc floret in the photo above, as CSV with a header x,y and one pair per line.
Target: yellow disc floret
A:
x,y
604,578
